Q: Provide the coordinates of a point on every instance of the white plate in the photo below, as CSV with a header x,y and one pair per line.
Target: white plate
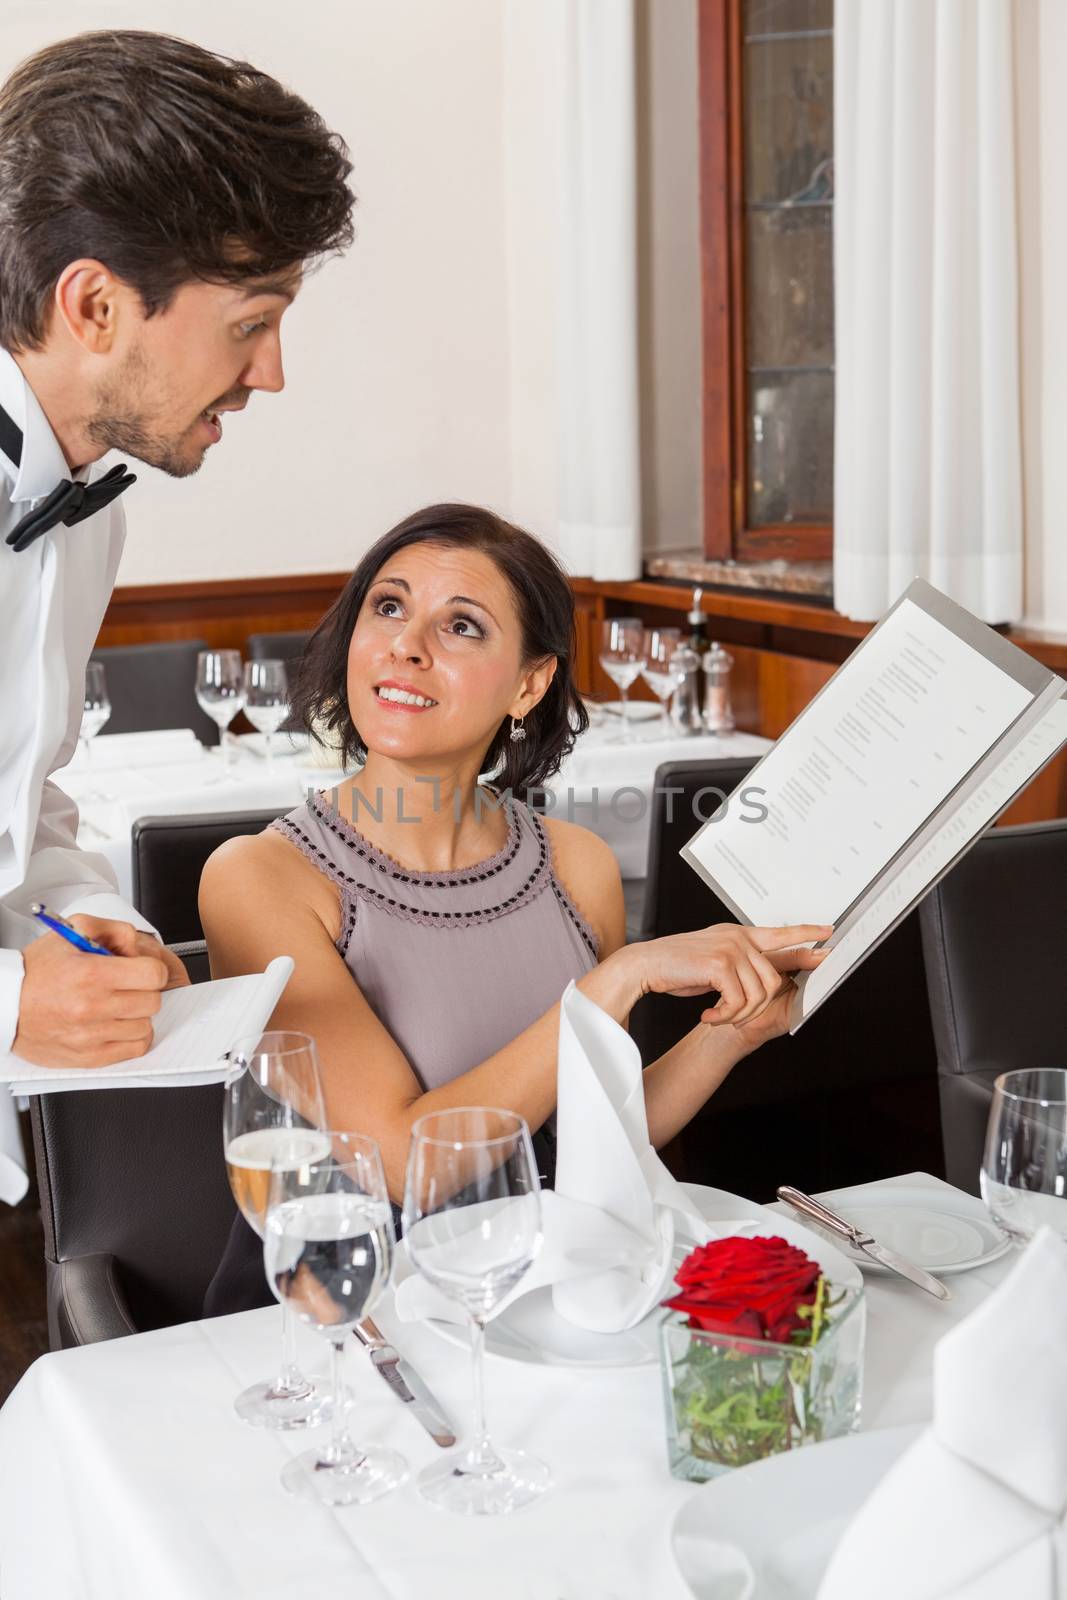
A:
x,y
531,1330
767,1532
942,1232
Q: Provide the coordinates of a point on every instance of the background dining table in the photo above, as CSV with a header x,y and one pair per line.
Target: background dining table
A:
x,y
604,784
126,1473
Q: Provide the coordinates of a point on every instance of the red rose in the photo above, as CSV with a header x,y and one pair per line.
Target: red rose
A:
x,y
751,1287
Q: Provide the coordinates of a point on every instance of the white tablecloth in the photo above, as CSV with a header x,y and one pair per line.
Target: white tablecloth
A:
x,y
126,1474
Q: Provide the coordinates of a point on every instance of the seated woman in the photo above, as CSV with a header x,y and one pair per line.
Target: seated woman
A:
x,y
435,922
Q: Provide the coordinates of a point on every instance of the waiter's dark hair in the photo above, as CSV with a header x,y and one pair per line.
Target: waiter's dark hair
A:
x,y
545,604
165,162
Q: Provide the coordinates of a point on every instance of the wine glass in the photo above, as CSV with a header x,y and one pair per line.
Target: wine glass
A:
x,y
96,709
660,670
266,702
472,1226
220,690
328,1254
1024,1167
272,1117
622,655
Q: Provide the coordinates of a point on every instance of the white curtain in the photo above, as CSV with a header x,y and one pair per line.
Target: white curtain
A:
x,y
927,474
599,446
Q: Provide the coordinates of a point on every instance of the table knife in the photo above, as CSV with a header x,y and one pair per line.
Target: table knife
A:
x,y
817,1212
405,1383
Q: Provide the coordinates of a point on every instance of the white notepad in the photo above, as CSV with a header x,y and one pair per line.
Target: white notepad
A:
x,y
194,1028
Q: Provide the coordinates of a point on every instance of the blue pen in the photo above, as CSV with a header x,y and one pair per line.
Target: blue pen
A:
x,y
65,931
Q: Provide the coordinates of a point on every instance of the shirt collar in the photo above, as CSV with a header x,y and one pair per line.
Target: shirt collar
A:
x,y
43,463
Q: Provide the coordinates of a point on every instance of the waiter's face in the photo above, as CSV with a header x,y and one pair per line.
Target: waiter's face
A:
x,y
174,375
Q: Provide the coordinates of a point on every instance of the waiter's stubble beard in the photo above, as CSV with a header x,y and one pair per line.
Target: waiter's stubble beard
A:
x,y
121,422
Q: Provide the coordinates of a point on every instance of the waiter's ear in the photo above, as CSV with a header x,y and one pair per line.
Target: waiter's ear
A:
x,y
88,299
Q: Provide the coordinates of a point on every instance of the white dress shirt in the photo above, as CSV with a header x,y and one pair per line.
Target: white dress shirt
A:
x,y
52,601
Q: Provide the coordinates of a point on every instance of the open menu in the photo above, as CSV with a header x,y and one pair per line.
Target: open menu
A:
x,y
193,1030
915,746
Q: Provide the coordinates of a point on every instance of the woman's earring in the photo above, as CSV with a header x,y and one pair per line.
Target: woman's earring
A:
x,y
517,730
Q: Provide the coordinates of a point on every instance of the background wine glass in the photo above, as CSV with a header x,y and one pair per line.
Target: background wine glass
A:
x,y
660,671
220,690
96,710
622,656
328,1254
472,1226
266,703
272,1118
1024,1166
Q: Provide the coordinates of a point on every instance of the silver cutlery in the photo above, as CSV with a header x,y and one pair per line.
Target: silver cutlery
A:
x,y
405,1382
815,1211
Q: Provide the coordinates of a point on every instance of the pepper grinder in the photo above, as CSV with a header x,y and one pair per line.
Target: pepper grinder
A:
x,y
718,713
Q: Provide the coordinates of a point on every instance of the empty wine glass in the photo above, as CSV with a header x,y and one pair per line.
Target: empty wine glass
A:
x,y
1024,1167
328,1254
220,690
661,669
472,1226
622,655
272,1118
96,709
266,699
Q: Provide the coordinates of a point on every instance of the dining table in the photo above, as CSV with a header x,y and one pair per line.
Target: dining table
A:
x,y
605,783
126,1474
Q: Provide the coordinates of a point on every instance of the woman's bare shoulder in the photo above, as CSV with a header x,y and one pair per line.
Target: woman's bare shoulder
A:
x,y
588,870
265,867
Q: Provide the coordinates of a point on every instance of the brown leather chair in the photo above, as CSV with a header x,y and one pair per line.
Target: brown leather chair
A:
x,y
851,1097
135,1203
993,938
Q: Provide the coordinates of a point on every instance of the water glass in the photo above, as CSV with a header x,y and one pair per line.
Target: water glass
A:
x,y
1024,1167
472,1227
220,690
266,704
272,1119
622,656
328,1254
662,670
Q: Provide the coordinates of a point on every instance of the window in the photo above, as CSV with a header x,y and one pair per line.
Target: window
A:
x,y
766,91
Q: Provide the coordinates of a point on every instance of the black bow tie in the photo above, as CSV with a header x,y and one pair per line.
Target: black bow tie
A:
x,y
68,503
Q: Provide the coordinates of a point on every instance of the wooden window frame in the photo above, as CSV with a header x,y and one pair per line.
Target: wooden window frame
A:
x,y
722,238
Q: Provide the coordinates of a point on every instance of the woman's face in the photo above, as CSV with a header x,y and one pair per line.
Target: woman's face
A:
x,y
435,660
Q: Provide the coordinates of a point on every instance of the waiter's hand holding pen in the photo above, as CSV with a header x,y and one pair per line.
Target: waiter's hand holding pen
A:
x,y
81,1008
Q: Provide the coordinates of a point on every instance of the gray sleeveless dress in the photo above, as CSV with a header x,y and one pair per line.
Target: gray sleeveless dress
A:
x,y
454,964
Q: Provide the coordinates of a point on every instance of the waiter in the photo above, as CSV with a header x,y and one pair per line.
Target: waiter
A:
x,y
158,207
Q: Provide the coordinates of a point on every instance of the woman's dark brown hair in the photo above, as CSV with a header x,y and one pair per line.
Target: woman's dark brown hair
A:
x,y
545,605
163,161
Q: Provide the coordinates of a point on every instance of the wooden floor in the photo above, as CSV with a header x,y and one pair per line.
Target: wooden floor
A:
x,y
23,1326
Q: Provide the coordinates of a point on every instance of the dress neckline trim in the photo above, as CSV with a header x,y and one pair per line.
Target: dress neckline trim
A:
x,y
382,862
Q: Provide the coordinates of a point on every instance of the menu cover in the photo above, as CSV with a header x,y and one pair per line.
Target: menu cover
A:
x,y
901,761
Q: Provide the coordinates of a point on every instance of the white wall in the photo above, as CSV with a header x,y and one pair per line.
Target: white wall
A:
x,y
398,360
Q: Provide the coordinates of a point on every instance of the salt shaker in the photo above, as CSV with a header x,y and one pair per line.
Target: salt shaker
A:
x,y
718,713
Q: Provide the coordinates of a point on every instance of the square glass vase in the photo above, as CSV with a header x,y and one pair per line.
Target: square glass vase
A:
x,y
732,1400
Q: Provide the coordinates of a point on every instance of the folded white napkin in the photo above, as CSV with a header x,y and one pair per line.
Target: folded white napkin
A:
x,y
611,1224
147,747
976,1509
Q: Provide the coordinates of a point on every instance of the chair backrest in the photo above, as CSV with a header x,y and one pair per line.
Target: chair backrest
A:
x,y
852,1096
154,686
993,936
138,1174
168,856
278,646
